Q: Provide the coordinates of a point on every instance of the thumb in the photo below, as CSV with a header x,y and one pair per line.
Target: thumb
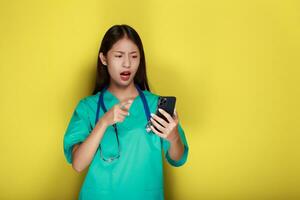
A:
x,y
175,114
126,105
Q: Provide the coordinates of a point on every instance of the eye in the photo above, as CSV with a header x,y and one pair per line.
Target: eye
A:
x,y
134,56
118,56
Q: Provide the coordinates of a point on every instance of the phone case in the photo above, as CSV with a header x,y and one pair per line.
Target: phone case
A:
x,y
166,103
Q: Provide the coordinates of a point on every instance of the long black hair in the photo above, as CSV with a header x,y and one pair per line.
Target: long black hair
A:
x,y
114,34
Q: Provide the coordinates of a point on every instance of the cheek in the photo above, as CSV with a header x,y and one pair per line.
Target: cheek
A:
x,y
136,64
112,69
113,66
114,62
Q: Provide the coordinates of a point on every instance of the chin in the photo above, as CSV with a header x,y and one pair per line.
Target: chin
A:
x,y
122,83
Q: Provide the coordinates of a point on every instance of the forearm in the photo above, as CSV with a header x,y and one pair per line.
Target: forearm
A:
x,y
83,155
176,149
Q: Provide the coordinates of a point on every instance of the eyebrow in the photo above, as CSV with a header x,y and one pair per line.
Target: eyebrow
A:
x,y
124,52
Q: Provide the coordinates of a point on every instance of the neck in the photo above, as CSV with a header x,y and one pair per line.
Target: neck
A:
x,y
123,93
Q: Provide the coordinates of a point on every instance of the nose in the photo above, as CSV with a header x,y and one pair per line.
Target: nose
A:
x,y
126,61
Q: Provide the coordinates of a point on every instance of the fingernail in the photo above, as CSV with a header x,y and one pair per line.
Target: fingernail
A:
x,y
128,113
152,114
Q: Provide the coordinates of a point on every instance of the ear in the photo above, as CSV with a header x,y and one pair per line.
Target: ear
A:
x,y
102,58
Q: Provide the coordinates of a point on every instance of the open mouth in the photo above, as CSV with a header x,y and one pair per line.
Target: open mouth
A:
x,y
125,75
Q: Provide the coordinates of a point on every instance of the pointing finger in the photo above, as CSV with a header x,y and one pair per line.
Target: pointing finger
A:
x,y
125,106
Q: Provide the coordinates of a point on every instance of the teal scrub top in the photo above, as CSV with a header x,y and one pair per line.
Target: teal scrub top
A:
x,y
138,172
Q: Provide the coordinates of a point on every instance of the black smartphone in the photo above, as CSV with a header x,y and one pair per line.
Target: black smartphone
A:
x,y
167,103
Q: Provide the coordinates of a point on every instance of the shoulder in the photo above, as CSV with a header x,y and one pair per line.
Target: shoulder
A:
x,y
88,102
90,98
150,94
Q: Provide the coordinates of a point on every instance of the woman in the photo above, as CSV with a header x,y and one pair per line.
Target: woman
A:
x,y
107,129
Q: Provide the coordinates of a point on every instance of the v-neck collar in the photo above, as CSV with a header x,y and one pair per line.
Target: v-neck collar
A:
x,y
111,97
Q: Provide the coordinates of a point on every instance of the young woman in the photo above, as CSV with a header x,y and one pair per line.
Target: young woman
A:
x,y
107,129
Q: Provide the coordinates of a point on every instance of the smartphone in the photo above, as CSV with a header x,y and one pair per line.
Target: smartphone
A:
x,y
167,103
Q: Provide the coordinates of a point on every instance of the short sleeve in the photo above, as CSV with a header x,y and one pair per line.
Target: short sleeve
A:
x,y
166,146
78,129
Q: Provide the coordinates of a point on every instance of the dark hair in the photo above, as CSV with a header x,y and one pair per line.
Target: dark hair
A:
x,y
114,34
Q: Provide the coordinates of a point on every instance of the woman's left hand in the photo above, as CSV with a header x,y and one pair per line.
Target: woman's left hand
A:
x,y
169,129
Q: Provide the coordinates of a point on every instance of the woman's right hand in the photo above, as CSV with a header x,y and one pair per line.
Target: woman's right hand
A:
x,y
117,113
83,154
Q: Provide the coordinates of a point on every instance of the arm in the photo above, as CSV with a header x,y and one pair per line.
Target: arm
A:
x,y
174,143
176,148
83,153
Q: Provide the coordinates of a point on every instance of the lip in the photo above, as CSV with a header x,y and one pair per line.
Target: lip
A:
x,y
125,77
127,71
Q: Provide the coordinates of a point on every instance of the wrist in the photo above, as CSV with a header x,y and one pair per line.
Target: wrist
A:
x,y
102,123
175,139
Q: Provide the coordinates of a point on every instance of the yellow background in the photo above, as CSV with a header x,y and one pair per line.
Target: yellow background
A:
x,y
233,65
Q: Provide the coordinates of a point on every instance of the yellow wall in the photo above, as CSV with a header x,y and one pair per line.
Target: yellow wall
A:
x,y
233,65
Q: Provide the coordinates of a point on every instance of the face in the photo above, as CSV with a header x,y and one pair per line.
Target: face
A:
x,y
122,61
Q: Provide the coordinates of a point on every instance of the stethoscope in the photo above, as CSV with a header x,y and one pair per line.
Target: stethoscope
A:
x,y
102,105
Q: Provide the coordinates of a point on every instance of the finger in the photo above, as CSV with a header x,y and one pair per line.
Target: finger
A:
x,y
157,133
126,105
120,118
167,115
157,125
160,120
124,113
121,112
175,114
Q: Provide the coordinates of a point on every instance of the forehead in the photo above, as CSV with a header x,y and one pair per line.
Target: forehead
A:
x,y
124,44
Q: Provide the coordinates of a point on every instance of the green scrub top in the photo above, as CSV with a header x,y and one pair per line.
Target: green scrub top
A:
x,y
138,172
